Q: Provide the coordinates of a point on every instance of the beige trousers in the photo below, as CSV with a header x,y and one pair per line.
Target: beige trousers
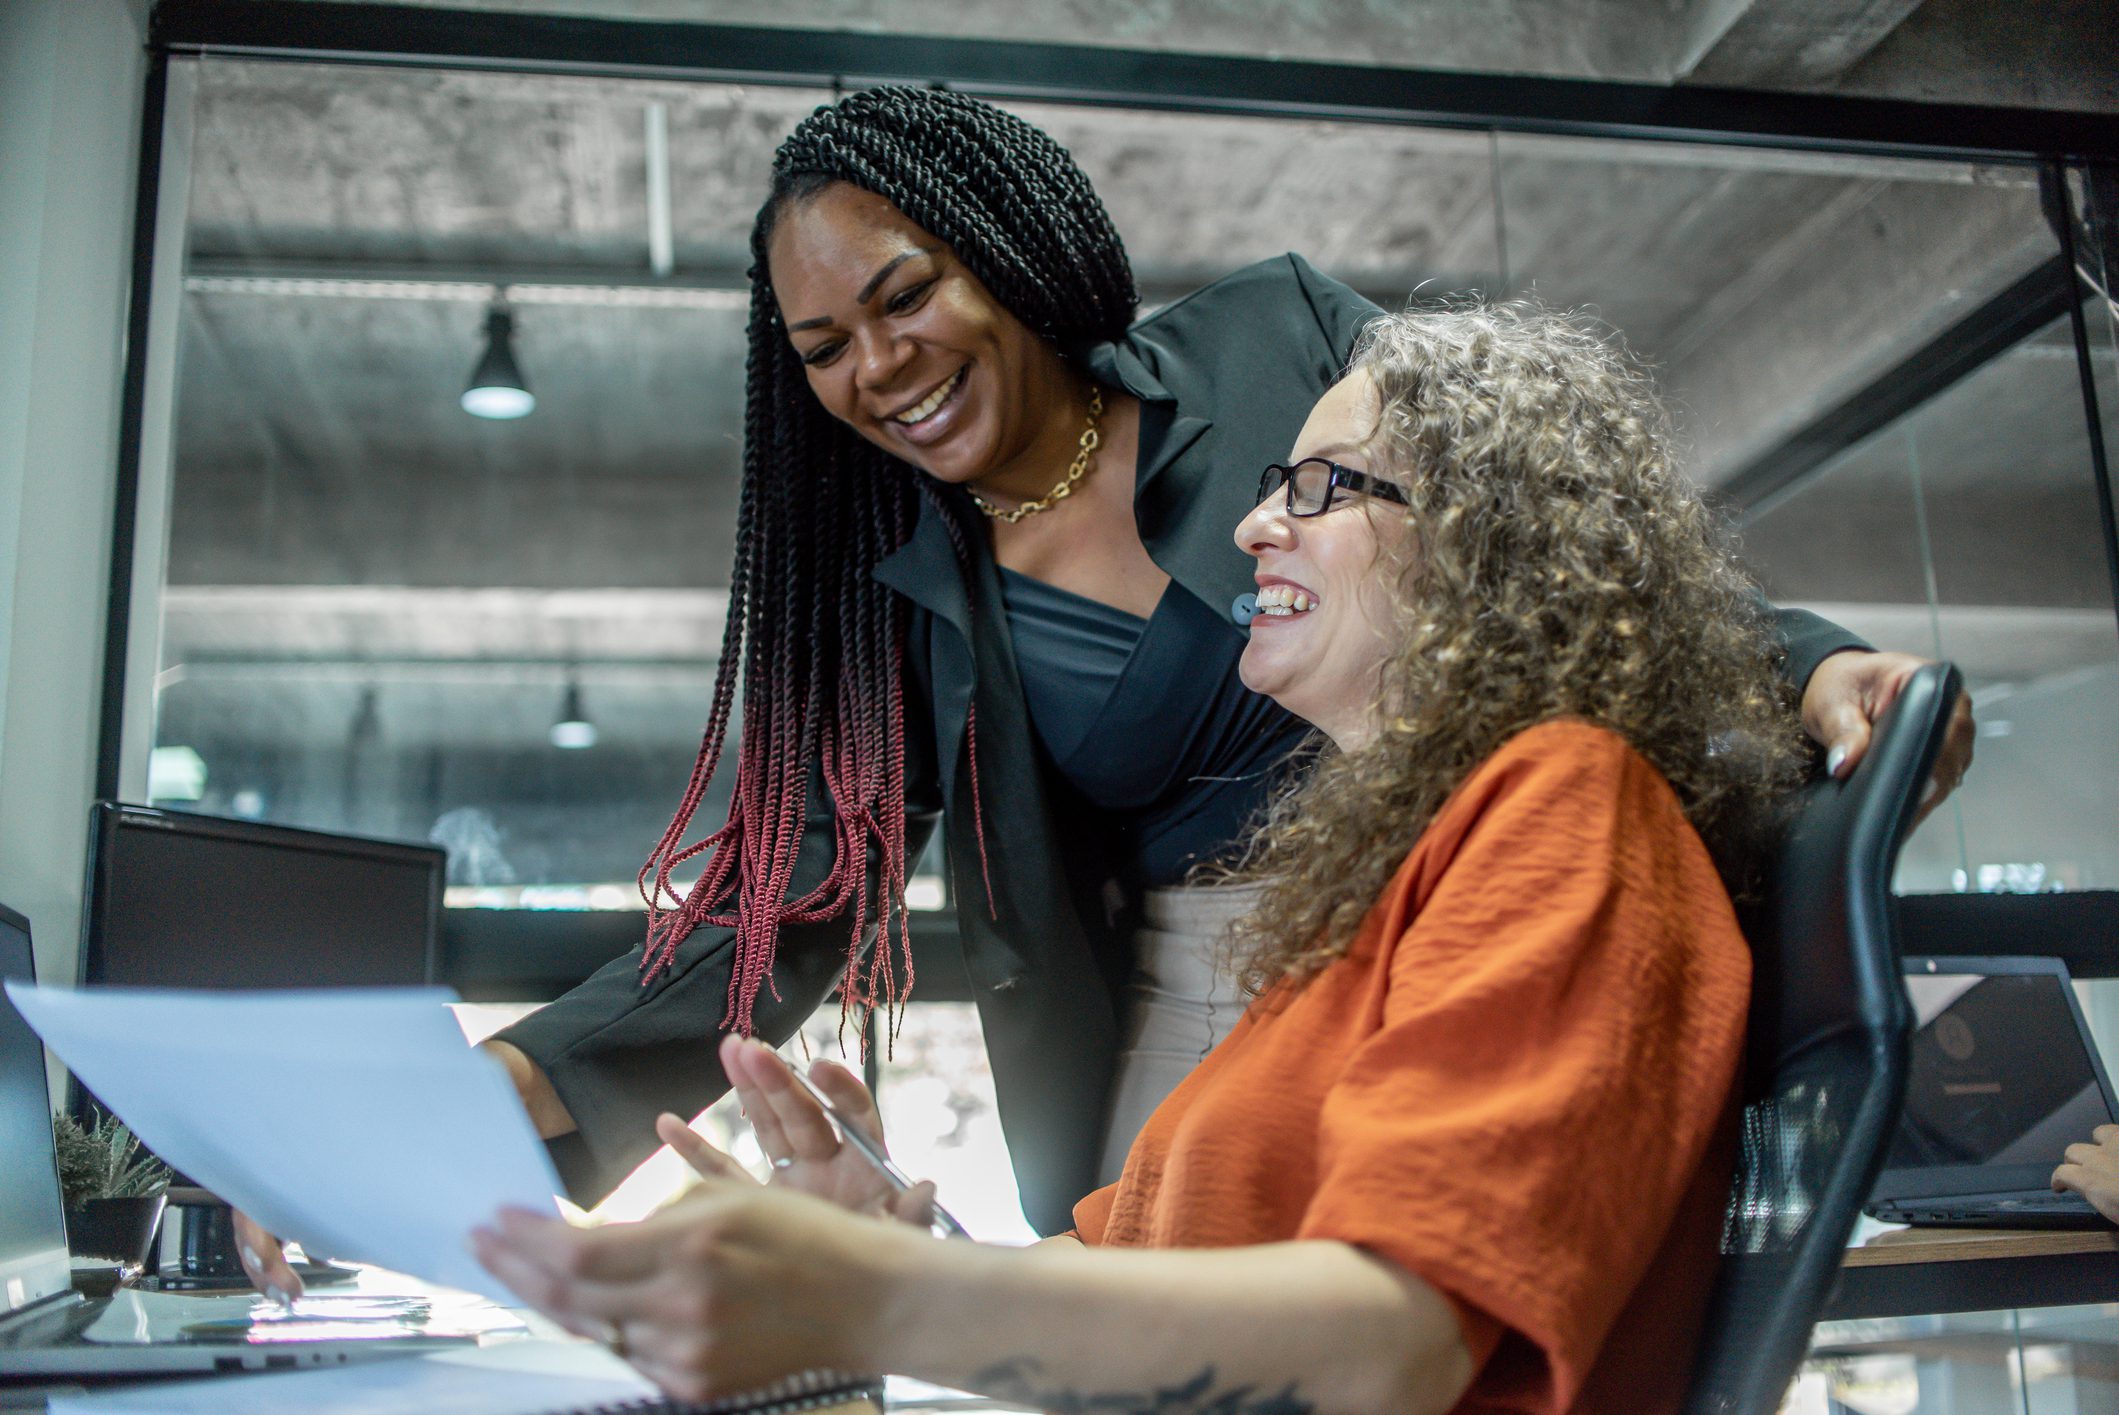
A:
x,y
1176,1006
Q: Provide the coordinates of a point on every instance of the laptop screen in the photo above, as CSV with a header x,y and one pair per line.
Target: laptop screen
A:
x,y
2000,1076
33,1260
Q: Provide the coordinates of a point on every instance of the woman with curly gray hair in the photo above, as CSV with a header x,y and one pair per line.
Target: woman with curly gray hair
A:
x,y
1469,1146
1553,563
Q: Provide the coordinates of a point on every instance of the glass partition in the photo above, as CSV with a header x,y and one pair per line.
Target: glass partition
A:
x,y
1969,529
2045,1361
387,615
1764,286
390,615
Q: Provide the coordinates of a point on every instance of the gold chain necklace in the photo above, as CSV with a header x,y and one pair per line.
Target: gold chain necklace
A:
x,y
1075,472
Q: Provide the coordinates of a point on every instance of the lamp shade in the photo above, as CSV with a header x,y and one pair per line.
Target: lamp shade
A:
x,y
497,388
573,731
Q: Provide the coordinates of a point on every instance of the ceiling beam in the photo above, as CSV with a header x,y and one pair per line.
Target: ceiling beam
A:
x,y
428,37
464,281
1786,43
1994,644
538,284
1967,345
393,623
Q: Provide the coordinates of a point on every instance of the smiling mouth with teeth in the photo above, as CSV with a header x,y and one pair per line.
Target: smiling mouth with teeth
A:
x,y
1285,601
927,407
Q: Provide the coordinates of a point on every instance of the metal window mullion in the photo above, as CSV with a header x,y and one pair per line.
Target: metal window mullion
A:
x,y
2100,469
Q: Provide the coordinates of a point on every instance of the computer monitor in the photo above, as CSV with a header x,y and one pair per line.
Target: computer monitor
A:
x,y
189,901
33,1260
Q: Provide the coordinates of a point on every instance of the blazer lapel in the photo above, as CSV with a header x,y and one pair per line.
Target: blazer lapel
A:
x,y
1165,435
924,570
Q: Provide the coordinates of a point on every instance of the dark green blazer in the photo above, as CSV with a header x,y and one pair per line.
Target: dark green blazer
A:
x,y
1225,378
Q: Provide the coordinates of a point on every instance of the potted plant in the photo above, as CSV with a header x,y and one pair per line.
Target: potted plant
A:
x,y
113,1186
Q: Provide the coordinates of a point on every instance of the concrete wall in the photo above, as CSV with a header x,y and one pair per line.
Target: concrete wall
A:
x,y
71,77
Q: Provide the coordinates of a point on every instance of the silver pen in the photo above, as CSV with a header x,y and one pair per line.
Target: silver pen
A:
x,y
873,1153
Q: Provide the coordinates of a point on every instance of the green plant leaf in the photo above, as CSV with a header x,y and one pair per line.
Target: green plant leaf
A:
x,y
104,1160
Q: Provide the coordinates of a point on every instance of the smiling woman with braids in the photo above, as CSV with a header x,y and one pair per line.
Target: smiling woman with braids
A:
x,y
983,571
1470,1148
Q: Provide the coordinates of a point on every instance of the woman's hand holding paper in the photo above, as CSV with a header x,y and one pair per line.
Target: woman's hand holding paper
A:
x,y
732,1287
736,1283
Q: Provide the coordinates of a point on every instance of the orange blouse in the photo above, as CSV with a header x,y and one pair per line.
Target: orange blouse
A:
x,y
1518,1084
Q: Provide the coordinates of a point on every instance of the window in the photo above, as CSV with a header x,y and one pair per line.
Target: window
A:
x,y
1969,529
385,615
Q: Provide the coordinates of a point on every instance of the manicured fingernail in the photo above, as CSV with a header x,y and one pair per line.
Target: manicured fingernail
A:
x,y
279,1295
1834,760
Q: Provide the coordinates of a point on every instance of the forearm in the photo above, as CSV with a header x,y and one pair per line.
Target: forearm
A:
x,y
1809,640
613,1054
1310,1326
547,1112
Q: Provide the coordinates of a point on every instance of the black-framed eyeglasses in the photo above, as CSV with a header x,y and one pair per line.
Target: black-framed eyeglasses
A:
x,y
1313,482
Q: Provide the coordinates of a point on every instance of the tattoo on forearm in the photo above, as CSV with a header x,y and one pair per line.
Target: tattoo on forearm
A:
x,y
1023,1380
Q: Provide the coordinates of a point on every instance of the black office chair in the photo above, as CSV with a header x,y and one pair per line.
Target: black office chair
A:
x,y
1826,1057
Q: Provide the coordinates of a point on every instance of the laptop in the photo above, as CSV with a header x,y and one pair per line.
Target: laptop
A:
x,y
48,1330
2004,1076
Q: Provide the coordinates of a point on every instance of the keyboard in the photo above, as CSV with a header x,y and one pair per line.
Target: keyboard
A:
x,y
2031,1209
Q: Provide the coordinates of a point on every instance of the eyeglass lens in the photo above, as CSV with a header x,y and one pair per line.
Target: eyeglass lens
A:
x,y
1312,487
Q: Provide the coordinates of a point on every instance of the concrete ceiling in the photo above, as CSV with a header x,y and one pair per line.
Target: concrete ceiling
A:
x,y
338,516
1984,489
2047,53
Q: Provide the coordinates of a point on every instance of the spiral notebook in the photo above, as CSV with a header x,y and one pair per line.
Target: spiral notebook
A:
x,y
822,1392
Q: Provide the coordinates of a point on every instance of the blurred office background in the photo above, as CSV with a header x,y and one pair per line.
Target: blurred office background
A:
x,y
360,608
378,606
380,609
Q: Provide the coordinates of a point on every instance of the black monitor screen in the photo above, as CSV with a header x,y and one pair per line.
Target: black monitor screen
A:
x,y
1999,1073
183,901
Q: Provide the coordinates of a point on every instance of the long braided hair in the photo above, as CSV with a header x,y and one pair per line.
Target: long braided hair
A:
x,y
819,643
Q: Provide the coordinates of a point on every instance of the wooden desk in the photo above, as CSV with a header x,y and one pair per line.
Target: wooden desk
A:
x,y
1917,1271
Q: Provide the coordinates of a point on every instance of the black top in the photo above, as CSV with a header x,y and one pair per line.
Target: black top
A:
x,y
1148,720
1225,378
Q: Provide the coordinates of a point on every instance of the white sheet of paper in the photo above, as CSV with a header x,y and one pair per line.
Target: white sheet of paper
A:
x,y
509,1378
355,1122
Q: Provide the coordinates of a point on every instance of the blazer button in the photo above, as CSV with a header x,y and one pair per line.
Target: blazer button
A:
x,y
1244,610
